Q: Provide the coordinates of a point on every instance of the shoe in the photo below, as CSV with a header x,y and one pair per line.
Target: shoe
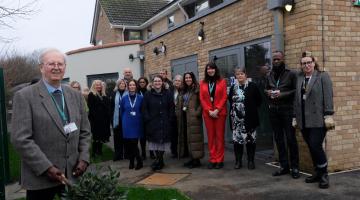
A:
x,y
251,165
312,179
281,172
188,163
131,165
155,165
195,163
295,174
211,165
139,165
219,165
324,181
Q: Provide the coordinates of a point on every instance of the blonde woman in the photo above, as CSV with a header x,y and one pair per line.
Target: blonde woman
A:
x,y
99,116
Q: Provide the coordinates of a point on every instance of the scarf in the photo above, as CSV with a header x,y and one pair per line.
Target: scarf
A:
x,y
116,116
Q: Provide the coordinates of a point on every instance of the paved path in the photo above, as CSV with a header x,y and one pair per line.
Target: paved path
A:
x,y
230,184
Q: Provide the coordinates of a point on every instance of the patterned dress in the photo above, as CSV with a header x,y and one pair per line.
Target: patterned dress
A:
x,y
237,114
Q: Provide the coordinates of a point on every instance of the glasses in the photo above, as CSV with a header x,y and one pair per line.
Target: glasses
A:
x,y
54,64
306,63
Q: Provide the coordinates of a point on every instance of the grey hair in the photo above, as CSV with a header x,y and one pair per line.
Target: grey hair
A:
x,y
178,76
239,69
48,50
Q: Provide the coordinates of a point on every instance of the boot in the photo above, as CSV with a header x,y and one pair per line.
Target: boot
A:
x,y
139,162
152,156
324,178
314,178
131,163
161,159
250,148
155,164
238,151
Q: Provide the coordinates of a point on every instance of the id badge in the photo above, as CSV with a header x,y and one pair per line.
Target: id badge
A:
x,y
211,99
304,97
71,127
133,113
184,108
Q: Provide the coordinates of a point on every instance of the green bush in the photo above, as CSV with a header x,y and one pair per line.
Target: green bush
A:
x,y
96,186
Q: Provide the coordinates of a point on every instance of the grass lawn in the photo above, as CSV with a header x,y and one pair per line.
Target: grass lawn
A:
x,y
137,193
107,155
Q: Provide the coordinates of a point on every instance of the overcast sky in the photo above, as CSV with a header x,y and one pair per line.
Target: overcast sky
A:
x,y
63,24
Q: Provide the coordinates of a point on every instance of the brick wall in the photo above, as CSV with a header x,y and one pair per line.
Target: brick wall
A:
x,y
248,20
105,33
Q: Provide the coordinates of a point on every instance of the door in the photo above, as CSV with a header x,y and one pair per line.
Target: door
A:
x,y
186,64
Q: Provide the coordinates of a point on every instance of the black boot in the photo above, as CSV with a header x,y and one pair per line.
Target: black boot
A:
x,y
131,163
314,178
155,164
99,150
238,151
250,148
139,162
324,178
161,159
152,156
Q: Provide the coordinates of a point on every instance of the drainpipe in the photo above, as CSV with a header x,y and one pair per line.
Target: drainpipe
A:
x,y
123,34
279,29
276,6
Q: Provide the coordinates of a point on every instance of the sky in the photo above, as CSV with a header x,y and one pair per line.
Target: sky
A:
x,y
62,24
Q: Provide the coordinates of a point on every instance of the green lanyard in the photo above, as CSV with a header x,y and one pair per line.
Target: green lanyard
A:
x,y
60,111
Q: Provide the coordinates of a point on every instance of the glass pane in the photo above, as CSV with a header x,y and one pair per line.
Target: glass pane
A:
x,y
134,35
257,60
226,66
171,21
202,6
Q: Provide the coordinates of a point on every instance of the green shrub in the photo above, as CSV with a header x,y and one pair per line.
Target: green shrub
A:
x,y
96,186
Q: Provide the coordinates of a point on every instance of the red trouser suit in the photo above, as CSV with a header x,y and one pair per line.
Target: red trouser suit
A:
x,y
215,126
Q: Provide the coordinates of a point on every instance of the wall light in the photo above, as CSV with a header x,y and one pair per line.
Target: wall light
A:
x,y
289,4
140,56
161,49
201,34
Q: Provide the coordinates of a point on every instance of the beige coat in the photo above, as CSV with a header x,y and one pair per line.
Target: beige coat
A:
x,y
195,136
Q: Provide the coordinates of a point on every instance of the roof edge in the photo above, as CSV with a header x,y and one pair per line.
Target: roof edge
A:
x,y
109,45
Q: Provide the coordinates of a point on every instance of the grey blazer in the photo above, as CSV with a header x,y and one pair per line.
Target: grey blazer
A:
x,y
319,100
37,134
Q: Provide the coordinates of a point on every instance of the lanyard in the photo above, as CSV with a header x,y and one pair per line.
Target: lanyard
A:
x,y
277,83
306,83
132,105
60,111
211,87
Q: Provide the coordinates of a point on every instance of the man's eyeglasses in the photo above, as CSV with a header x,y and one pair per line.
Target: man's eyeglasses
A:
x,y
306,63
54,64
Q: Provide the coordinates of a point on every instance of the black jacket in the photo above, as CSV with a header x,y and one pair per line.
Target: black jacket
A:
x,y
158,115
252,102
287,86
99,117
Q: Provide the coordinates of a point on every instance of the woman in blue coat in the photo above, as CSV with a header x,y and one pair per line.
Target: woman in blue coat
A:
x,y
132,124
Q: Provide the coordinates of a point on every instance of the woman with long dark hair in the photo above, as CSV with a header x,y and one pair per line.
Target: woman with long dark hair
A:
x,y
188,109
313,110
213,101
159,116
244,98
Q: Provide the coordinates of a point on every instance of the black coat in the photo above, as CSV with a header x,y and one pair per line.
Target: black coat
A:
x,y
158,115
99,117
253,100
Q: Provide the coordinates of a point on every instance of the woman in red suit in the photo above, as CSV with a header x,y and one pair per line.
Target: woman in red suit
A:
x,y
213,101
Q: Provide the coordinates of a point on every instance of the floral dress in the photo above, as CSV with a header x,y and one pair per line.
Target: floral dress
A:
x,y
237,114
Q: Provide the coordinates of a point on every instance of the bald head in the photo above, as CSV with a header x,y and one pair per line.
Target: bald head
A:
x,y
127,73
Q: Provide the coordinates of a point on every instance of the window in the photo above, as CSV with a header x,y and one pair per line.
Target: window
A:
x,y
256,56
201,6
132,35
107,78
171,21
149,33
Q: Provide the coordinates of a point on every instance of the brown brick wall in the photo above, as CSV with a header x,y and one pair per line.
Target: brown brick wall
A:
x,y
105,33
247,20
